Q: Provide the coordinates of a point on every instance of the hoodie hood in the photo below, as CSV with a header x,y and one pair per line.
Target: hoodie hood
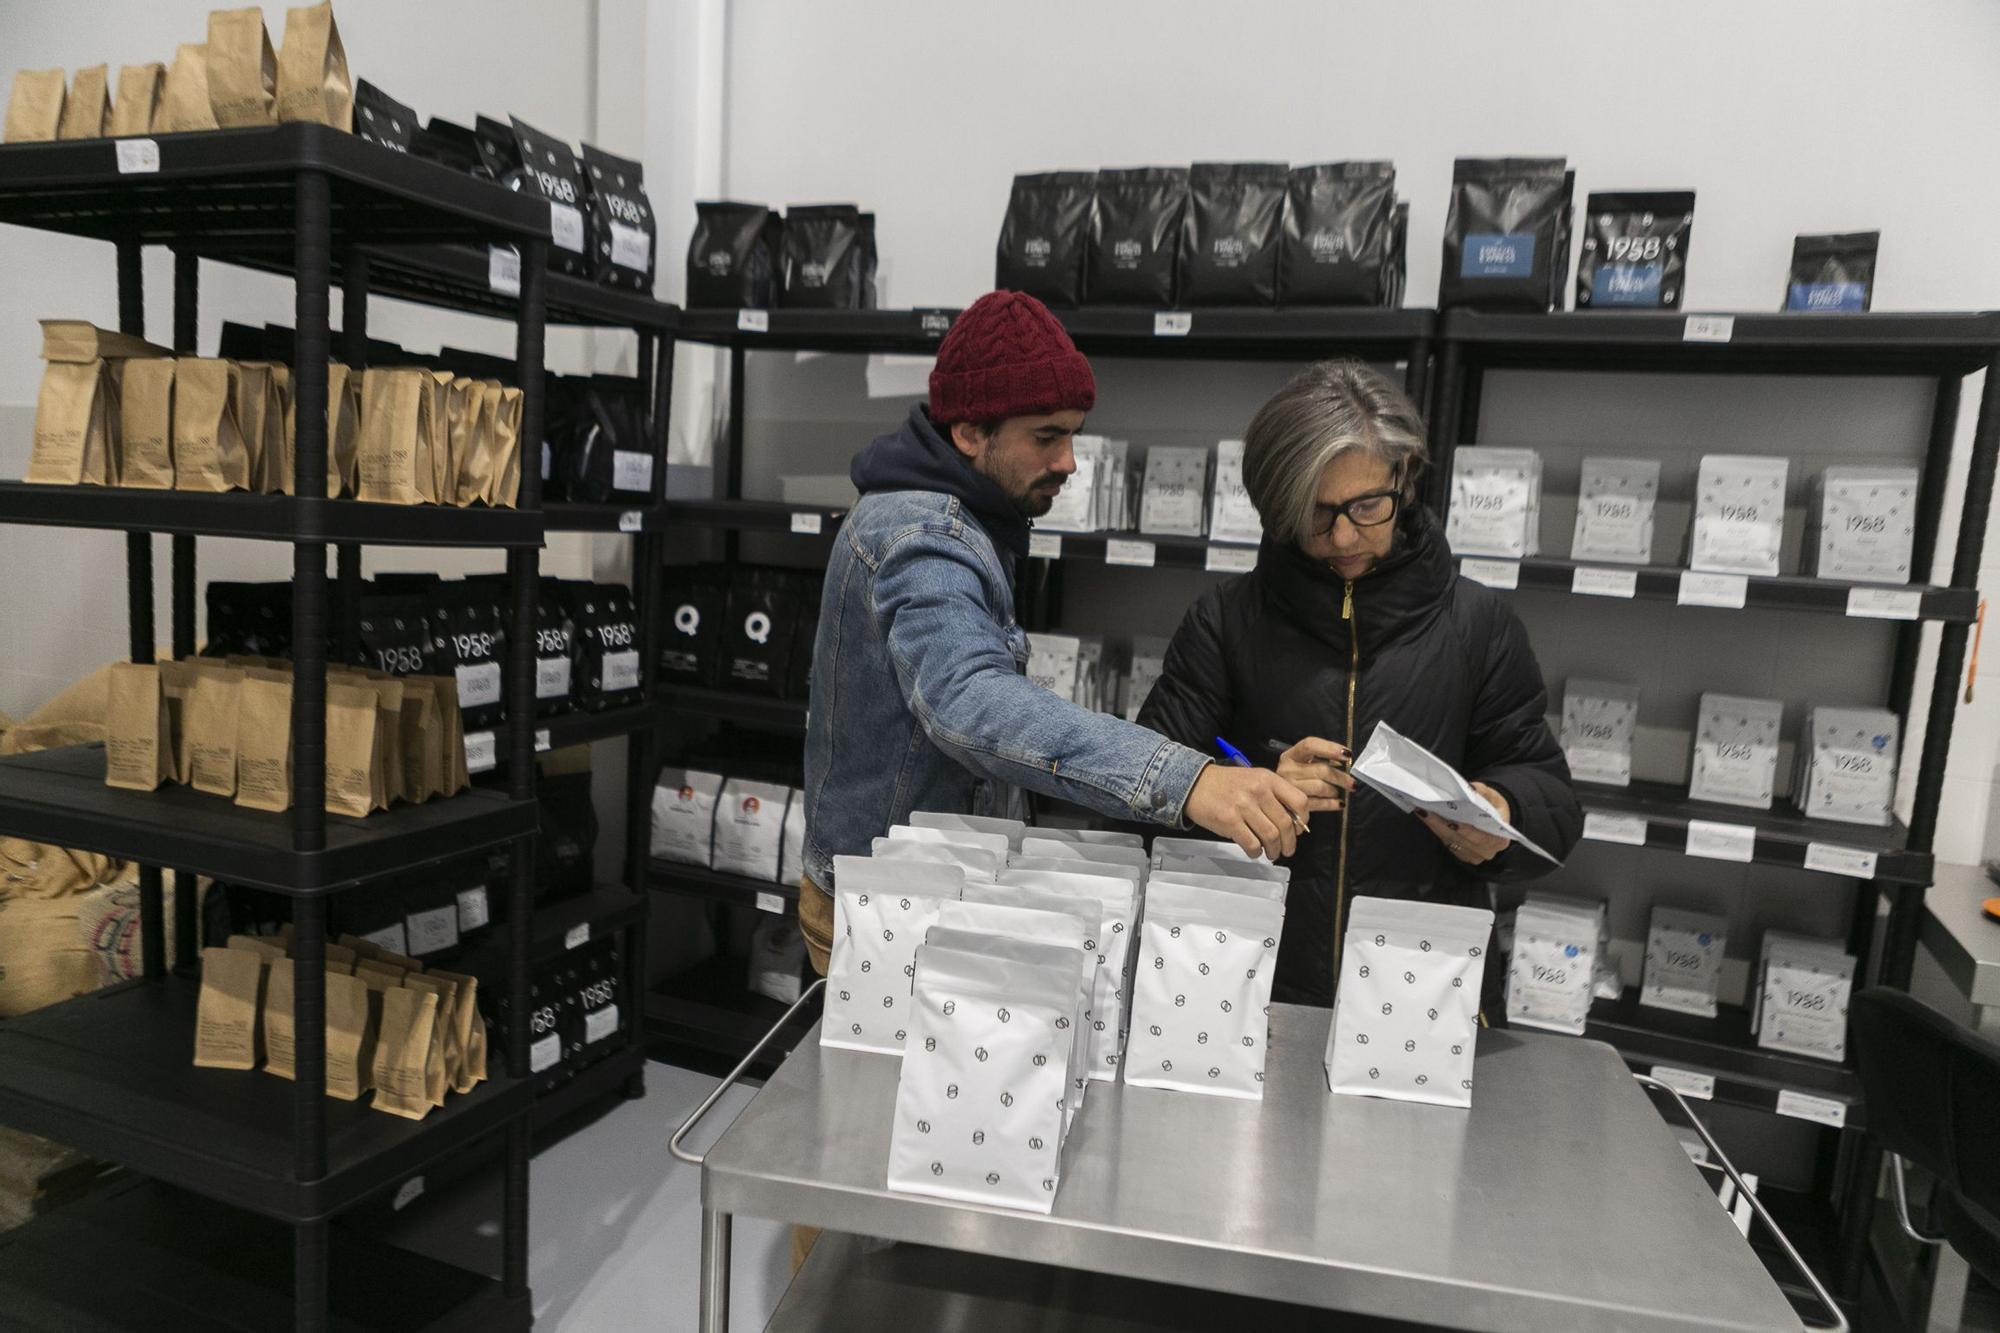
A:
x,y
917,457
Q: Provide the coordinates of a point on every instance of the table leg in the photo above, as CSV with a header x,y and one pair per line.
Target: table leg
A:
x,y
715,1229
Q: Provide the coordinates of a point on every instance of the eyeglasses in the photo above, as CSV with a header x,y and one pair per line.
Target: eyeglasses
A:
x,y
1363,511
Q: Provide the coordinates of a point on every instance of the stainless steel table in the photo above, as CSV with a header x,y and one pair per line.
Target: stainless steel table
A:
x,y
1561,1200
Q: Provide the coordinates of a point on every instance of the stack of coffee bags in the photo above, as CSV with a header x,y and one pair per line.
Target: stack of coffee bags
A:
x,y
1496,502
77,409
1552,972
1045,235
1736,751
1799,1003
881,910
1845,769
1833,273
981,854
431,1037
1176,491
1598,721
1863,524
1683,961
1635,248
433,437
1615,504
684,805
1406,1014
1231,516
1506,236
1340,234
1112,876
1739,515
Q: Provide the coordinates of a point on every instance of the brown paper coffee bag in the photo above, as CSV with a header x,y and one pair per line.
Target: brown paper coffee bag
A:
x,y
418,746
312,70
506,488
271,946
35,107
280,471
75,413
472,444
242,69
138,740
338,958
225,1025
362,948
209,451
176,683
88,107
471,1032
403,1050
393,468
343,410
211,719
278,1017
79,340
264,744
449,1054
350,750
350,1036
146,423
250,395
138,100
184,93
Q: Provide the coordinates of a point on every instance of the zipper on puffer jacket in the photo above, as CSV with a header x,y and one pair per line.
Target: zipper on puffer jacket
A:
x,y
1346,805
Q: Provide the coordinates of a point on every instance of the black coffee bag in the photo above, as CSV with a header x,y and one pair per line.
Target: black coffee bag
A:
x,y
1396,273
758,632
732,256
870,261
1503,233
1833,273
381,119
693,607
394,635
1565,232
565,420
550,169
565,852
469,644
798,678
1229,234
499,155
252,619
822,256
611,458
1044,237
1634,250
606,672
1339,234
449,144
555,636
622,229
1135,236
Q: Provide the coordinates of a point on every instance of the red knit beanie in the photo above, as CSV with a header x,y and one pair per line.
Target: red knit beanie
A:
x,y
1007,356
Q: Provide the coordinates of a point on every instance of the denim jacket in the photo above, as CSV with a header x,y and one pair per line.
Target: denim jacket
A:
x,y
919,697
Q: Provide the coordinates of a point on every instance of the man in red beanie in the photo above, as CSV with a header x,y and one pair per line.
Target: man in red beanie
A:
x,y
919,701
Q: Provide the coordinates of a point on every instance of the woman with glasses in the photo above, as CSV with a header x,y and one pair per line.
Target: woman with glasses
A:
x,y
1356,615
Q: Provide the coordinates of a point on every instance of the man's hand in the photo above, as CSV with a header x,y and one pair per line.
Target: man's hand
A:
x,y
1319,769
1465,842
1252,807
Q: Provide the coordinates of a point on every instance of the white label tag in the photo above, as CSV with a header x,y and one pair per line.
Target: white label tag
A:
x,y
566,226
473,911
629,248
621,670
1725,590
1805,1106
1045,545
1686,1082
551,679
1592,581
433,930
1721,842
478,684
480,752
809,525
1627,829
1708,328
541,739
631,521
1230,559
503,270
578,936
631,470
1121,552
544,1053
1502,574
753,321
771,902
1833,859
1885,603
1172,324
390,938
600,1023
138,157
407,1193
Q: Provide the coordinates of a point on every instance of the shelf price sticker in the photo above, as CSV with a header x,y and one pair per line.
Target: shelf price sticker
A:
x,y
542,740
1627,829
503,270
138,157
753,321
1833,859
1721,842
1708,329
1137,554
473,909
1805,1106
577,936
407,1193
809,525
431,931
1728,591
480,753
1173,324
1885,603
390,938
1230,559
771,902
1686,1082
544,1053
1592,581
631,470
631,521
1045,545
1502,574
600,1023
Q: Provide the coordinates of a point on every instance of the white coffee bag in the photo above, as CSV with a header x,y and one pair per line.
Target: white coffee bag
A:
x,y
1863,524
684,802
881,910
1232,517
1057,937
1551,972
1684,953
1615,506
1802,993
1739,514
1736,750
1052,663
1406,1014
1013,830
1496,502
750,828
979,863
792,857
1599,719
1176,493
1201,991
1117,899
1847,765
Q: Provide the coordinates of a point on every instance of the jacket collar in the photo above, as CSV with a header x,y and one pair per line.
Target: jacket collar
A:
x,y
917,457
1400,596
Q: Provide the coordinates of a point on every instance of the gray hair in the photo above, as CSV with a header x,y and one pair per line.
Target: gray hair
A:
x,y
1327,409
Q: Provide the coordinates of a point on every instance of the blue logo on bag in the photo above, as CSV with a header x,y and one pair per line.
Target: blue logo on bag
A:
x,y
1494,255
1841,296
1880,743
1705,939
1571,951
1626,284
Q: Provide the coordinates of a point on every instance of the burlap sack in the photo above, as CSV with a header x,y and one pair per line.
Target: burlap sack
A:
x,y
35,107
209,451
211,720
226,1012
242,69
138,742
264,743
312,70
75,413
146,423
88,107
350,1036
403,1050
184,94
138,100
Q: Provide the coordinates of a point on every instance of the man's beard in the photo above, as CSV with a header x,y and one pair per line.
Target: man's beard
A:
x,y
1033,503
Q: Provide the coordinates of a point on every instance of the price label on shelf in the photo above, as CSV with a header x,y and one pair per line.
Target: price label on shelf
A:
x,y
541,739
407,1193
631,470
1592,581
1502,574
1885,603
1121,552
1805,1106
480,754
1686,1082
1833,859
138,157
545,1053
1045,545
1728,591
478,684
631,521
753,321
771,902
566,226
390,938
810,525
1708,329
1627,829
577,936
1721,842
600,1023
473,910
1173,324
1230,559
431,931
503,270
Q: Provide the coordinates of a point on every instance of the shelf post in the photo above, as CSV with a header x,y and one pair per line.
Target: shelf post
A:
x,y
1417,374
187,272
732,481
1447,395
354,354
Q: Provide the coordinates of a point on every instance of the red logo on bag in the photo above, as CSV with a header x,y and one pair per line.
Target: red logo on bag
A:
x,y
751,805
687,793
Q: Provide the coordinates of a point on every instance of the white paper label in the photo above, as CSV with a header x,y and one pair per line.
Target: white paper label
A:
x,y
1708,328
771,902
631,521
551,678
807,524
390,938
1721,842
1172,324
1230,559
473,911
1121,552
631,470
621,670
1834,859
1885,603
753,321
600,1023
1686,1082
407,1193
431,931
541,739
578,936
480,752
138,156
1592,581
1045,545
1805,1106
478,684
1724,590
566,226
629,248
503,270
1627,829
544,1053
1502,574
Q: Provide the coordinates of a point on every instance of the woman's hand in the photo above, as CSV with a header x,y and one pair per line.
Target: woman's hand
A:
x,y
1319,769
1465,842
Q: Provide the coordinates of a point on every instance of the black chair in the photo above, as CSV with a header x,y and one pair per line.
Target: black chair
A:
x,y
1933,1090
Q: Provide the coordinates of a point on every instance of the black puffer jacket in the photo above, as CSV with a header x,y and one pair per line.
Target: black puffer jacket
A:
x,y
1265,659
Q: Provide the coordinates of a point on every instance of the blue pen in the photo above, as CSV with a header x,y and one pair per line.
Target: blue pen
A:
x,y
1241,760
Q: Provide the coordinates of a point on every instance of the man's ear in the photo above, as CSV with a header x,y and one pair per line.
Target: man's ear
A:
x,y
967,438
